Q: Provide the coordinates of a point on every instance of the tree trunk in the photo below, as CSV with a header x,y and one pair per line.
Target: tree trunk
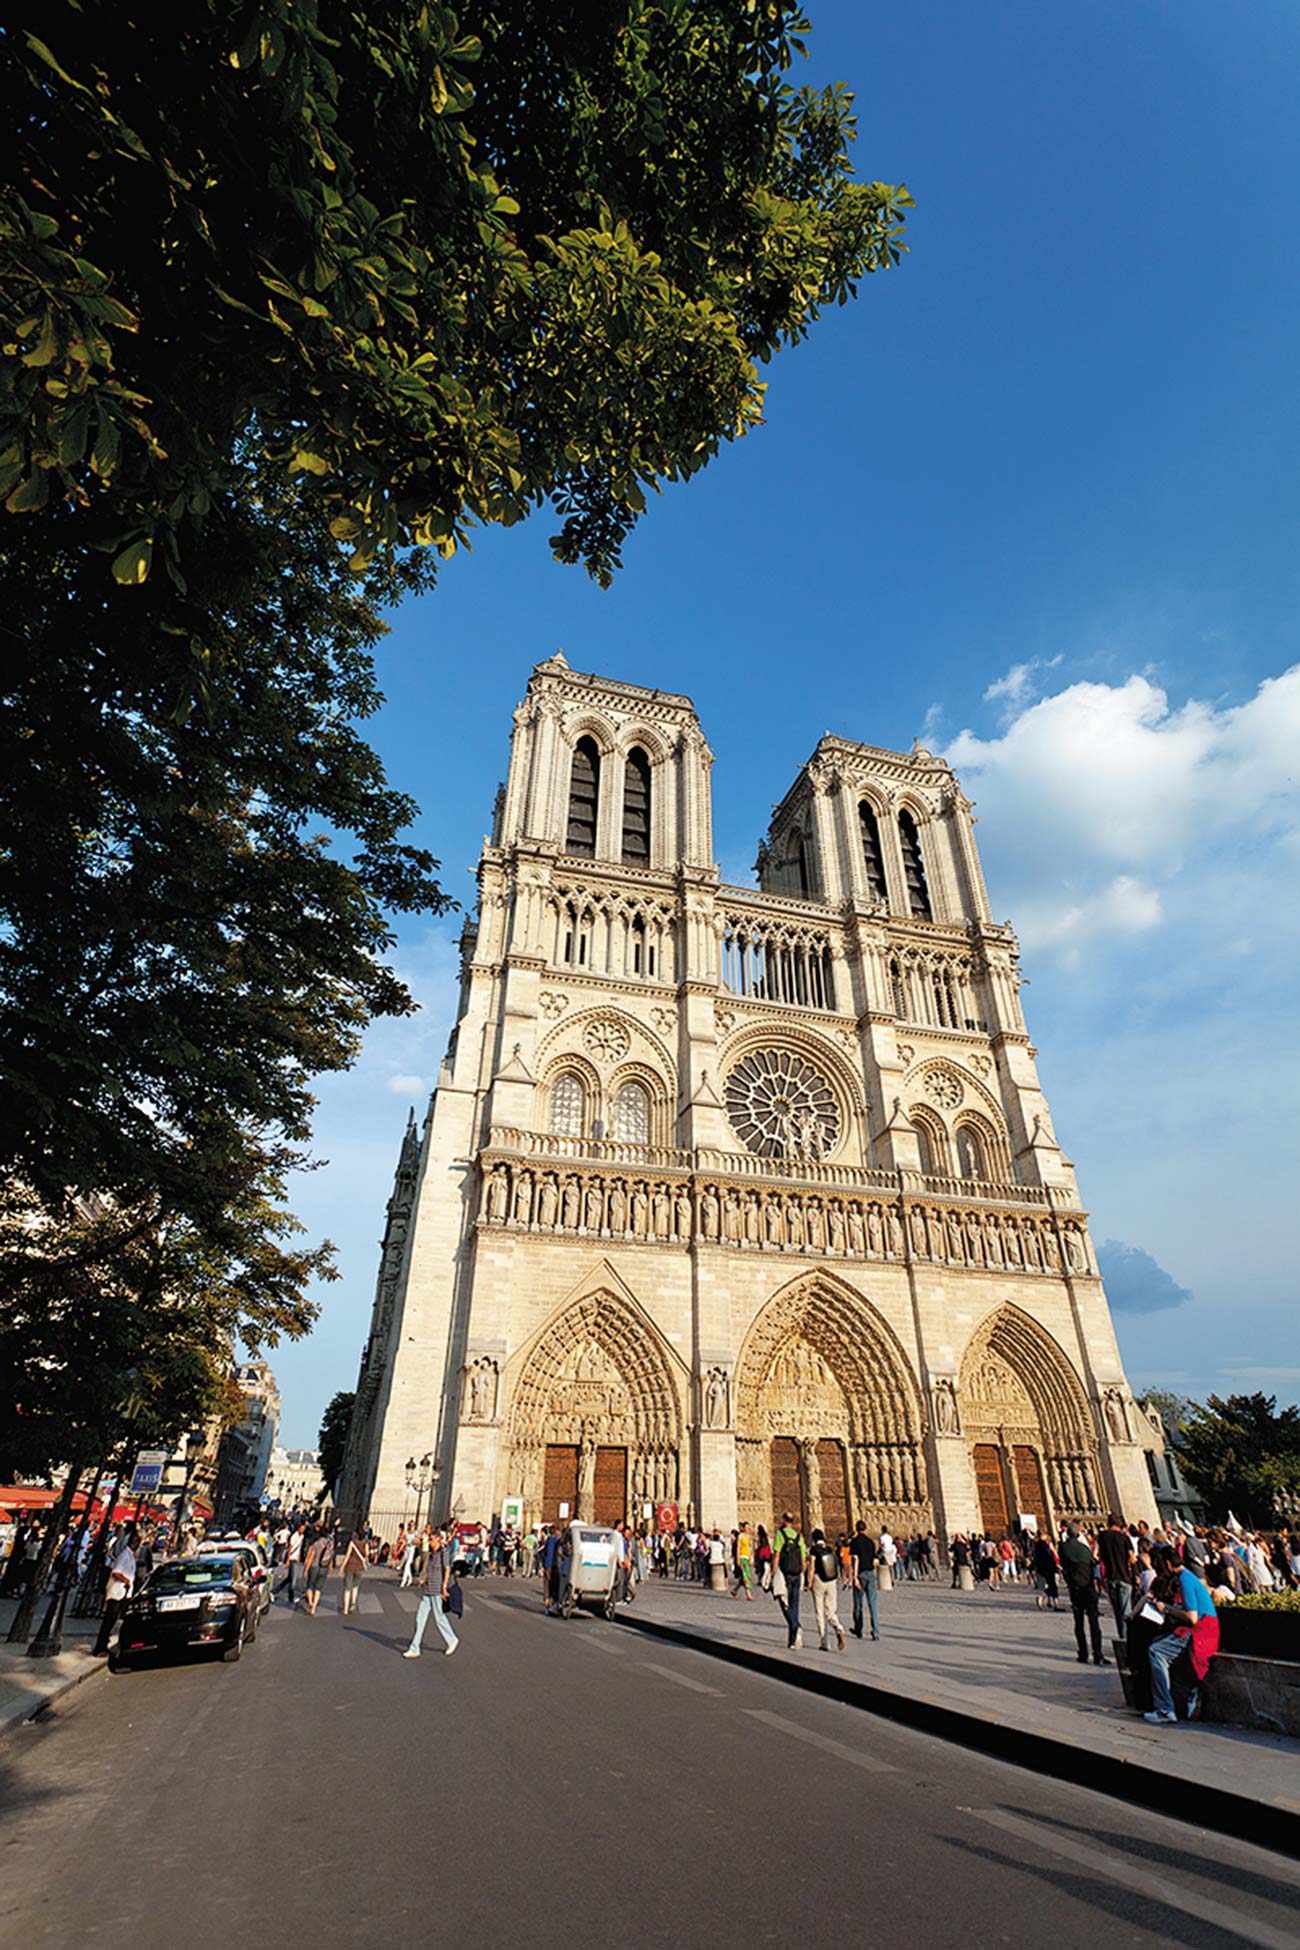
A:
x,y
54,1530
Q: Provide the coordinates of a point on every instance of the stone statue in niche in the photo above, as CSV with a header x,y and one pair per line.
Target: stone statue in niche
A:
x,y
816,1235
570,1204
751,1220
683,1208
640,1210
875,1230
716,1415
586,1470
1074,1247
916,1222
794,1223
592,1204
709,1213
731,1217
481,1388
617,1208
498,1194
835,1228
772,1222
945,1408
812,1479
523,1199
857,1233
548,1202
662,1212
1115,1421
895,1225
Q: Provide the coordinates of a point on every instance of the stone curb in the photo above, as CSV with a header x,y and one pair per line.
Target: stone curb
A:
x,y
1264,1823
22,1710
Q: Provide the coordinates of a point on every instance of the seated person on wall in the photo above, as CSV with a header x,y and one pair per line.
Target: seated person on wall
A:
x,y
1188,1608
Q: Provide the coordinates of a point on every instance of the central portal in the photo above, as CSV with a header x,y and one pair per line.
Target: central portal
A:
x,y
810,1480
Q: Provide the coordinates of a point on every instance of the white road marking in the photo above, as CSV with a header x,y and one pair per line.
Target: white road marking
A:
x,y
408,1601
854,1755
1246,1929
603,1645
678,1678
369,1601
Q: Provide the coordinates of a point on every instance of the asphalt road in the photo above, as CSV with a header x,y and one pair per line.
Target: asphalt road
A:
x,y
563,1783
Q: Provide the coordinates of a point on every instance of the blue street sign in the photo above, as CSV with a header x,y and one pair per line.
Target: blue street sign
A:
x,y
145,1476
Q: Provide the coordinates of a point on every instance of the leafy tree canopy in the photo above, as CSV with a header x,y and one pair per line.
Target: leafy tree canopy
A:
x,y
333,1438
293,294
1242,1453
437,266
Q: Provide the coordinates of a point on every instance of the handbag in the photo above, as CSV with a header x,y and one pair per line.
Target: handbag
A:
x,y
455,1601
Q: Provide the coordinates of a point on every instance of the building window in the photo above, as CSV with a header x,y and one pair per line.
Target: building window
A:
x,y
636,808
918,894
568,1105
584,795
970,1154
641,954
923,1150
630,1121
872,857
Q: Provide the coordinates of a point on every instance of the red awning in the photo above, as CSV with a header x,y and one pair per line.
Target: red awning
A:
x,y
18,1496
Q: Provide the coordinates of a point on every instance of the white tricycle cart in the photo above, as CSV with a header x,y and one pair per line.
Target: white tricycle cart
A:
x,y
592,1569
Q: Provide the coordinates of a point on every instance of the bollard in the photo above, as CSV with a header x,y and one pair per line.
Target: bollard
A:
x,y
717,1577
965,1578
884,1577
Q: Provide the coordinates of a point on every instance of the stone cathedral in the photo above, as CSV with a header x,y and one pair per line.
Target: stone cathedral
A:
x,y
738,1199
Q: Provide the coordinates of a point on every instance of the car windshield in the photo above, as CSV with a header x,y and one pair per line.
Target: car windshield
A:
x,y
194,1574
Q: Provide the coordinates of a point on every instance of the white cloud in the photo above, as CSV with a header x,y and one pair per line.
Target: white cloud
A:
x,y
1125,906
1100,791
1018,685
404,1086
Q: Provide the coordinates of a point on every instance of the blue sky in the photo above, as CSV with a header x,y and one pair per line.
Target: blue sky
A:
x,y
1034,497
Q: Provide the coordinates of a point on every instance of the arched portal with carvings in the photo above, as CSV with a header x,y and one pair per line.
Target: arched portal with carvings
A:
x,y
1033,1448
594,1426
828,1417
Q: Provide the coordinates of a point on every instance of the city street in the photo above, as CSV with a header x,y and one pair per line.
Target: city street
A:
x,y
568,1781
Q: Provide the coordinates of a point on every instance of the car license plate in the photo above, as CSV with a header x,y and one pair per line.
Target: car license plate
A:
x,y
179,1604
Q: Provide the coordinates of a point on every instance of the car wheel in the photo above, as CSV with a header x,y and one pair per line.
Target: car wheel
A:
x,y
232,1652
117,1662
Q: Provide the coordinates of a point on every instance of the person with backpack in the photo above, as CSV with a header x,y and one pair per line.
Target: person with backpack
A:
x,y
823,1573
791,1556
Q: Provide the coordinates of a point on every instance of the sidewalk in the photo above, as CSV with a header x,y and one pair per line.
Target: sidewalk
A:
x,y
994,1657
28,1684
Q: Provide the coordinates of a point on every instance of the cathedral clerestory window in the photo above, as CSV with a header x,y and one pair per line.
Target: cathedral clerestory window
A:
x,y
918,894
630,1119
568,1105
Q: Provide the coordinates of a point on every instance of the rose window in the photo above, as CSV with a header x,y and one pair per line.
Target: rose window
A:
x,y
606,1041
945,1089
780,1107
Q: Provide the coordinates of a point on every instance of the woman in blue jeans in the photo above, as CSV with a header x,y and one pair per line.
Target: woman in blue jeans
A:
x,y
437,1578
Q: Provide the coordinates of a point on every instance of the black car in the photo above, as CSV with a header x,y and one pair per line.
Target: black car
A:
x,y
191,1601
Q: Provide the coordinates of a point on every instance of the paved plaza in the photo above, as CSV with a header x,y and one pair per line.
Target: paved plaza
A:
x,y
998,1657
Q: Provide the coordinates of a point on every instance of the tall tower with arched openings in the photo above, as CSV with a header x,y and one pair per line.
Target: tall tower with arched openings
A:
x,y
737,1199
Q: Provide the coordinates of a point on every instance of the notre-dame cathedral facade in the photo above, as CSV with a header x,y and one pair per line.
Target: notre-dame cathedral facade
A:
x,y
739,1199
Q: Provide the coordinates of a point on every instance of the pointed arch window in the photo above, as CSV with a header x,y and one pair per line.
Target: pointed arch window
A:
x,y
636,808
630,1121
801,865
584,797
924,1149
873,859
568,1105
899,989
918,894
970,1154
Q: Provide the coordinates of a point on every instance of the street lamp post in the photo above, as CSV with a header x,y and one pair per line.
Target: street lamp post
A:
x,y
418,1478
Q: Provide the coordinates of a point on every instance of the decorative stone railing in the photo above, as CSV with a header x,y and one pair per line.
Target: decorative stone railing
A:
x,y
602,1189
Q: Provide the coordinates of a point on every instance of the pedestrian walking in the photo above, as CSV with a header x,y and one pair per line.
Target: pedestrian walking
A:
x,y
1046,1567
354,1569
320,1562
742,1561
764,1558
1080,1568
437,1585
862,1552
408,1562
822,1574
121,1585
791,1556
